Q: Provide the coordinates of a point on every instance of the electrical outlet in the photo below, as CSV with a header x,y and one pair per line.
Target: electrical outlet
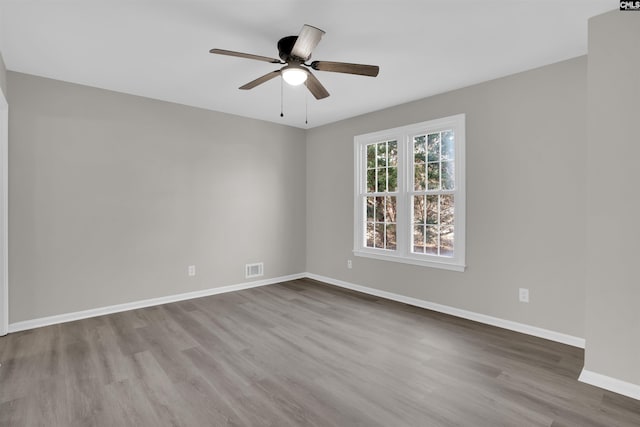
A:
x,y
191,270
349,264
524,295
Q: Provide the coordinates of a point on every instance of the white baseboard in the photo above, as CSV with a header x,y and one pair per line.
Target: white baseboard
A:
x,y
100,311
611,384
482,318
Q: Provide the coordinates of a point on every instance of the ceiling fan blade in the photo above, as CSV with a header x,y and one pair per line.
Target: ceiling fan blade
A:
x,y
308,39
345,67
315,87
245,55
260,80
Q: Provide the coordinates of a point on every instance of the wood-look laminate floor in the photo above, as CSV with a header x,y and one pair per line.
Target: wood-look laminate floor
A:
x,y
295,354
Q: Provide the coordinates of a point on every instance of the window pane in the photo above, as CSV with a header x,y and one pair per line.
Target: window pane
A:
x,y
391,236
382,180
379,235
370,233
431,239
370,201
433,147
446,241
448,176
371,156
418,209
419,149
393,153
433,176
393,179
371,180
391,209
379,209
446,210
432,210
418,239
419,177
448,145
382,154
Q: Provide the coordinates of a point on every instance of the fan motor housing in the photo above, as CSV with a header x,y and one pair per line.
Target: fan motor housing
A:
x,y
285,45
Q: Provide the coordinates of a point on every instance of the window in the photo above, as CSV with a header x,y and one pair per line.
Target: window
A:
x,y
409,194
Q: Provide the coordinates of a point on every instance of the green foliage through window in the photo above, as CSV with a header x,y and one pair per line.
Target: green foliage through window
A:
x,y
382,177
433,207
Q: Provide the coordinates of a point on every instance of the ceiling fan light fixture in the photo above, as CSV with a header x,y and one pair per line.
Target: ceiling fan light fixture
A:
x,y
294,75
294,51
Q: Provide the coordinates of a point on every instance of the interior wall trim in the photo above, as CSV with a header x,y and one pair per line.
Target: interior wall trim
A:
x,y
4,214
608,383
482,318
101,311
465,314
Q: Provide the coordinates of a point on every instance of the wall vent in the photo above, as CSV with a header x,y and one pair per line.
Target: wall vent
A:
x,y
254,270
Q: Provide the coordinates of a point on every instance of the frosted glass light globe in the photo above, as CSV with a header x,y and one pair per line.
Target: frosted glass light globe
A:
x,y
294,76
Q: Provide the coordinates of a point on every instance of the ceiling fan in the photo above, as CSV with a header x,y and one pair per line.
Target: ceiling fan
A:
x,y
295,51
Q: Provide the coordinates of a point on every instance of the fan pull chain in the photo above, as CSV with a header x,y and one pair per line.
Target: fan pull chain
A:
x,y
281,96
306,108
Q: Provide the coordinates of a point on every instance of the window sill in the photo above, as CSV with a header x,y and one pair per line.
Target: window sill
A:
x,y
410,260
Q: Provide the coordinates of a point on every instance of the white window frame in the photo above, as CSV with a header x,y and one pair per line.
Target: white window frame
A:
x,y
404,135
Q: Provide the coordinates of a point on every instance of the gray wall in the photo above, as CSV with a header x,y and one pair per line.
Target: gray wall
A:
x,y
526,158
112,196
613,288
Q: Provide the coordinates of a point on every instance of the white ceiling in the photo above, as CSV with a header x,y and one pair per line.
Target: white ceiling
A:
x,y
159,49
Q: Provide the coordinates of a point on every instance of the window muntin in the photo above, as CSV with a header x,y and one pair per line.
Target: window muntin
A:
x,y
409,204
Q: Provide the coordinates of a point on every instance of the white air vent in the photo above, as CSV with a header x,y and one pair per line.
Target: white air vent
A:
x,y
254,270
